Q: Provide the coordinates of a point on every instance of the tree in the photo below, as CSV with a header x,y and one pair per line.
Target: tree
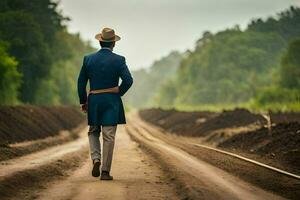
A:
x,y
61,84
27,45
290,66
30,28
286,24
10,78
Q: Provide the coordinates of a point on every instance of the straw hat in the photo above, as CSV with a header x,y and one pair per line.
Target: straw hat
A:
x,y
107,35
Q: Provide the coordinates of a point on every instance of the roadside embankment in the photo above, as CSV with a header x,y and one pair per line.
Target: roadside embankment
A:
x,y
23,123
27,129
239,131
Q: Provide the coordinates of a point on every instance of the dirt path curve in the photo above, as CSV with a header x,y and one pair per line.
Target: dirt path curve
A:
x,y
136,176
211,182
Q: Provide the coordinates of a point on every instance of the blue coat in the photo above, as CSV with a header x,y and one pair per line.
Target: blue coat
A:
x,y
103,70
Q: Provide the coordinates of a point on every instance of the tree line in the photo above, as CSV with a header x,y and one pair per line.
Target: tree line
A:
x,y
258,67
39,58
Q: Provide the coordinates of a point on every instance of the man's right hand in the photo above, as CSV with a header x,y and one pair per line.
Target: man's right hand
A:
x,y
116,89
83,107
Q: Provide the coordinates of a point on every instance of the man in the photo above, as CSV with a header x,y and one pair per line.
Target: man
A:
x,y
103,105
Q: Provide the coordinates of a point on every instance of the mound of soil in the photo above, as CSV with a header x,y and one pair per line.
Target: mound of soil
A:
x,y
285,117
199,123
283,143
230,119
21,123
177,122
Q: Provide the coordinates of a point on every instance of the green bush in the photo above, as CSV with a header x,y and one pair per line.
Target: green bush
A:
x,y
278,99
290,66
10,78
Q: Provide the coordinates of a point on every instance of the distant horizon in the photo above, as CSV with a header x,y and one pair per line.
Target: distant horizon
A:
x,y
149,33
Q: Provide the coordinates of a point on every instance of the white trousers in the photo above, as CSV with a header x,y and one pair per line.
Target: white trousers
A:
x,y
108,135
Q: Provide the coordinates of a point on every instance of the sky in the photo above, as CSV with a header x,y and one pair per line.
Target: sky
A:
x,y
150,29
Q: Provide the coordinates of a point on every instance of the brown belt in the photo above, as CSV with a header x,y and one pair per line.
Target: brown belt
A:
x,y
107,90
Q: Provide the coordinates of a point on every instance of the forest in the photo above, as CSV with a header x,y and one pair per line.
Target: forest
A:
x,y
257,68
39,58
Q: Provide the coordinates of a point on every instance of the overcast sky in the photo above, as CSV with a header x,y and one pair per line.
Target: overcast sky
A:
x,y
151,29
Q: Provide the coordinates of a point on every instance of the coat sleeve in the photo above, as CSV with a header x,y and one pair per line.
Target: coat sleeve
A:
x,y
126,78
81,83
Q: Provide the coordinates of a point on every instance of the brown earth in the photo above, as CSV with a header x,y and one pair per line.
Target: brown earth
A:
x,y
22,123
51,161
240,131
173,170
9,151
285,117
199,178
22,177
282,144
136,176
200,123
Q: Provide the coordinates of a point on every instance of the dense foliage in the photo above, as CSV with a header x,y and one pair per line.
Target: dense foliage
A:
x,y
258,66
285,94
290,66
9,77
237,67
47,55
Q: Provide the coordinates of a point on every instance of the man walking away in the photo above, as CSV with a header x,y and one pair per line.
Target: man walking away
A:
x,y
103,104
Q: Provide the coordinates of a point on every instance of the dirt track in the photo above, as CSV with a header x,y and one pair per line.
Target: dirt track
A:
x,y
145,166
136,176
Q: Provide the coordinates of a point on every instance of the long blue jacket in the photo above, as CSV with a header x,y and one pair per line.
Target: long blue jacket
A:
x,y
103,70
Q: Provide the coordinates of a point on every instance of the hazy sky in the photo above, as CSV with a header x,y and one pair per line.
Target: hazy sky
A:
x,y
150,29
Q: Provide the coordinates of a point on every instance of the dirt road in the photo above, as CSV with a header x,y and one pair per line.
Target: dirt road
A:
x,y
144,167
136,176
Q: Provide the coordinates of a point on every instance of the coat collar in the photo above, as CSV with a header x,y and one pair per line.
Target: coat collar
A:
x,y
105,48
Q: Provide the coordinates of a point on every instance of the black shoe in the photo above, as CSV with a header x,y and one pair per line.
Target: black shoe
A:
x,y
96,168
105,176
